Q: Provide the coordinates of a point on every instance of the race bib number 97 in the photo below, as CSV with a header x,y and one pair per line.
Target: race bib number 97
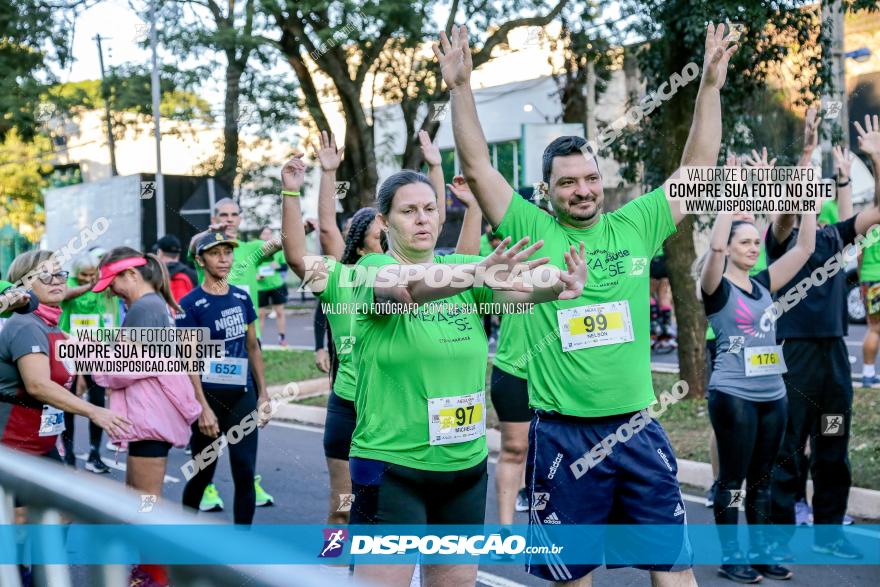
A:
x,y
457,419
595,325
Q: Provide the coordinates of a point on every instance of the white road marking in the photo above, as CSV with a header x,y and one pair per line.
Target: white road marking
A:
x,y
121,467
496,581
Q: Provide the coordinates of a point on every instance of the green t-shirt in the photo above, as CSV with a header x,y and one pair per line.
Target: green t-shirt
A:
x,y
405,360
710,334
269,274
829,213
512,345
761,263
97,310
612,378
870,270
4,285
337,304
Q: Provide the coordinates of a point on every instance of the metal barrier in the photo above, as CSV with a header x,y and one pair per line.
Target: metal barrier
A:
x,y
52,493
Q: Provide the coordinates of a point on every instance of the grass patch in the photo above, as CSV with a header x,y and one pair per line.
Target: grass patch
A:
x,y
687,425
282,367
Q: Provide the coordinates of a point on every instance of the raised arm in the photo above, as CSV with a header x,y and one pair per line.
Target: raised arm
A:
x,y
786,267
869,144
843,164
713,269
704,138
472,223
784,223
294,240
330,236
489,186
431,155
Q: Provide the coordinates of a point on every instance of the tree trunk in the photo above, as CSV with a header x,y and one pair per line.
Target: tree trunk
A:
x,y
680,256
231,115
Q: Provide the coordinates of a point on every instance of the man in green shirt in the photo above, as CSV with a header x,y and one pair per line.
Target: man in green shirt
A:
x,y
271,289
592,376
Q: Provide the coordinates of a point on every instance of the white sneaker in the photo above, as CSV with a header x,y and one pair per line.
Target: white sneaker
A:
x,y
113,447
273,315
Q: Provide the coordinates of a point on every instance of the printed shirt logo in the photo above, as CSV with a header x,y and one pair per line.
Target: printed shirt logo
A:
x,y
554,466
334,541
745,320
679,511
552,519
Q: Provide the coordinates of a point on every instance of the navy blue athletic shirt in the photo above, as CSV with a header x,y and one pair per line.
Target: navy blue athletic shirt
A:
x,y
228,318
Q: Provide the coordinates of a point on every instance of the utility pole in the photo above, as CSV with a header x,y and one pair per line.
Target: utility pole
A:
x,y
105,94
833,16
160,184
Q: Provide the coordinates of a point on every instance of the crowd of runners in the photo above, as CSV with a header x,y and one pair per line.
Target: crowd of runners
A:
x,y
405,433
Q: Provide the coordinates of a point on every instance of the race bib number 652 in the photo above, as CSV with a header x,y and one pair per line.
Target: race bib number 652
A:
x,y
595,325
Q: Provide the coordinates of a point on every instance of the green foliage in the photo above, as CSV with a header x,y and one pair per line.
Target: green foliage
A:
x,y
23,167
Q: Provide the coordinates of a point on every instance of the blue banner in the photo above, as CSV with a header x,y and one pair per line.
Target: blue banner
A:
x,y
86,544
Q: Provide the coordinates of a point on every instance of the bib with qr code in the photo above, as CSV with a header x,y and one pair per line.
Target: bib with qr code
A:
x,y
228,371
51,421
764,360
595,325
457,419
80,322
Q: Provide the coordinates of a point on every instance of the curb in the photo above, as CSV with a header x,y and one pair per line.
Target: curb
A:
x,y
863,503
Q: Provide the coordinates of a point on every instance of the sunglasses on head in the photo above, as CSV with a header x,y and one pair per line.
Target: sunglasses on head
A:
x,y
47,278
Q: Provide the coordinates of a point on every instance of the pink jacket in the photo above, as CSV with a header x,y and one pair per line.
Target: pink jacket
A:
x,y
158,407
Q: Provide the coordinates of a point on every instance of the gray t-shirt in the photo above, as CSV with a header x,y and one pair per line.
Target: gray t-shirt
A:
x,y
149,311
22,335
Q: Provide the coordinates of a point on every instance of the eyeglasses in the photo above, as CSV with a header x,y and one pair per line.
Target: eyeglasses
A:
x,y
47,278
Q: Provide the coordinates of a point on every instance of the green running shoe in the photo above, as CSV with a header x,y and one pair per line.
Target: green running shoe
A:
x,y
263,498
211,501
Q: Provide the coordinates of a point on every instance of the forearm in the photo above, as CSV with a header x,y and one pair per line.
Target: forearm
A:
x,y
75,292
256,361
329,234
196,380
435,173
844,202
319,324
471,230
47,391
407,284
546,287
294,241
704,138
470,142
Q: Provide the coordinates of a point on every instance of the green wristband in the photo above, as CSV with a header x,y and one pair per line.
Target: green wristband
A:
x,y
291,194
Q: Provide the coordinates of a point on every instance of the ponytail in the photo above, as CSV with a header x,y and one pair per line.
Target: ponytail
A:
x,y
154,272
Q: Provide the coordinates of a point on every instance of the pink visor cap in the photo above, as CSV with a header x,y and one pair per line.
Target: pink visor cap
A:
x,y
111,270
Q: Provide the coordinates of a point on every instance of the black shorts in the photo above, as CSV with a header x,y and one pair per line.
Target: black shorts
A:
x,y
272,297
711,346
385,493
339,427
510,396
658,268
149,448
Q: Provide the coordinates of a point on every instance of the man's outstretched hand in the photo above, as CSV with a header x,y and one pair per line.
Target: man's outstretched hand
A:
x,y
869,136
454,56
720,46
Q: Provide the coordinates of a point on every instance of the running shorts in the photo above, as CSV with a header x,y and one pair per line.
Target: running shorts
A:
x,y
711,352
385,493
272,297
510,396
658,268
635,483
339,427
149,448
871,295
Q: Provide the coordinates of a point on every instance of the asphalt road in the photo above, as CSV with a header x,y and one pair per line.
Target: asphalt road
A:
x,y
292,465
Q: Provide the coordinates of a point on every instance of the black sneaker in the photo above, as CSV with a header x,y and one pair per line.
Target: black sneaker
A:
x,y
740,573
522,501
841,548
777,572
96,465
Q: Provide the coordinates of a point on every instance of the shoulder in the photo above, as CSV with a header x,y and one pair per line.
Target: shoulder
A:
x,y
192,298
457,259
376,260
238,293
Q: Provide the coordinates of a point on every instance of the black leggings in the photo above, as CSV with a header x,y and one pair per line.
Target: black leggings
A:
x,y
230,408
96,396
749,435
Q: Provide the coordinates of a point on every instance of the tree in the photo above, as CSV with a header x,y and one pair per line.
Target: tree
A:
x,y
23,169
349,41
252,95
674,32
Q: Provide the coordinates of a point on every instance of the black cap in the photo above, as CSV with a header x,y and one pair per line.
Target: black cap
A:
x,y
169,244
212,239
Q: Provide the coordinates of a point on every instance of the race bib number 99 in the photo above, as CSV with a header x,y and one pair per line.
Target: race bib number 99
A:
x,y
457,419
595,325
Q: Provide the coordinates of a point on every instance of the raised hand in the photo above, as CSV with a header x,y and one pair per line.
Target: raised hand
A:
x,y
430,151
575,278
461,190
719,49
505,265
454,56
329,156
811,130
842,162
293,174
869,136
759,159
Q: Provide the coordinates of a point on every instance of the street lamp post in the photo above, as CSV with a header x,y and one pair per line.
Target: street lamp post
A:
x,y
160,184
